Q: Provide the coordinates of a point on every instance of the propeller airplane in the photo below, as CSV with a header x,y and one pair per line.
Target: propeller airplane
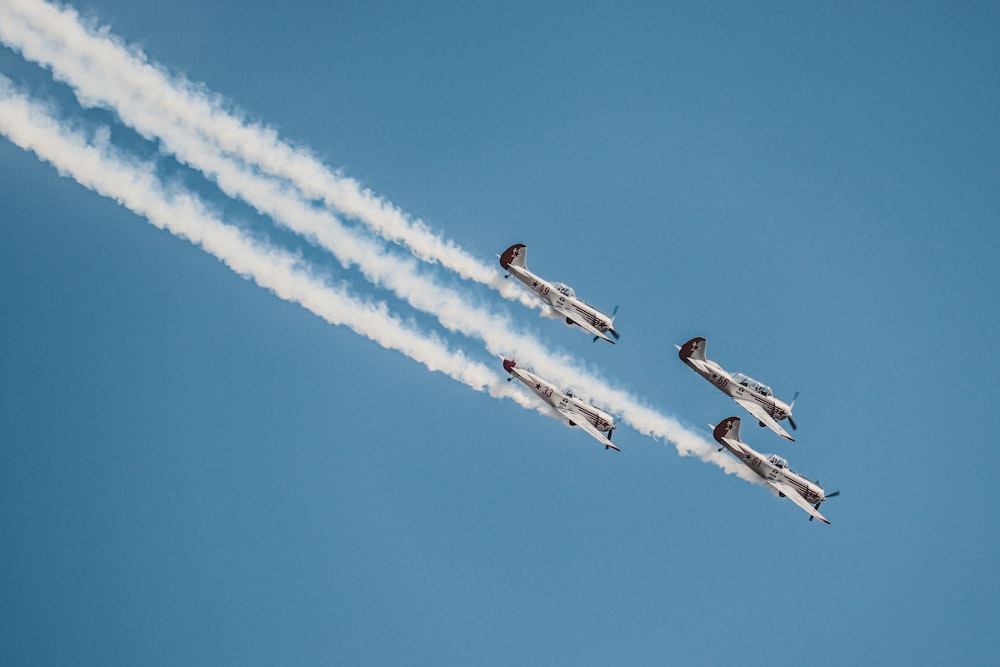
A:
x,y
774,470
559,297
754,397
570,409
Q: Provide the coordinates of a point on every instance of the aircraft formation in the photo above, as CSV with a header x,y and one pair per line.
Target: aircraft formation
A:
x,y
755,397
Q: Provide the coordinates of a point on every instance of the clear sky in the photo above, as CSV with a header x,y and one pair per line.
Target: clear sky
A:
x,y
193,471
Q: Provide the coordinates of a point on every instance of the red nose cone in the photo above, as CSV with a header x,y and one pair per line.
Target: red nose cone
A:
x,y
508,364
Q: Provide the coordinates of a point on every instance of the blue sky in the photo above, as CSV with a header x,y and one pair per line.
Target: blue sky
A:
x,y
196,471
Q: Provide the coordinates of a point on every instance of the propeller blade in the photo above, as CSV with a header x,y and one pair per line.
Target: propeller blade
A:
x,y
614,333
614,312
792,404
832,495
792,422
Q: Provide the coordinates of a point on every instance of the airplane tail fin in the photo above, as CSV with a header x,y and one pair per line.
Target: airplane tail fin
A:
x,y
693,349
727,428
517,254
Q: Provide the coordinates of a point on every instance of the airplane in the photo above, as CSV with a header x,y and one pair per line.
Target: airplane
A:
x,y
559,296
574,411
789,484
754,397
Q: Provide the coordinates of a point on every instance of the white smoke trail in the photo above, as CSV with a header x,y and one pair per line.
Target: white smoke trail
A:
x,y
180,103
101,168
93,78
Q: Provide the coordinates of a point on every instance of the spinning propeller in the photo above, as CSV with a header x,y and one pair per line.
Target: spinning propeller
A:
x,y
790,406
826,497
612,329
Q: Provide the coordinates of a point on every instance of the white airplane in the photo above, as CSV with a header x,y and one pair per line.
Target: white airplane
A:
x,y
574,411
559,296
789,484
754,397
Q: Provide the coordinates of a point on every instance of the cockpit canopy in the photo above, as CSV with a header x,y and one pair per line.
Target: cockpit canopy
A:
x,y
777,461
750,383
563,288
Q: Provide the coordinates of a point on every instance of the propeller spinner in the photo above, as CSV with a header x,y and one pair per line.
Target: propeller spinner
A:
x,y
826,497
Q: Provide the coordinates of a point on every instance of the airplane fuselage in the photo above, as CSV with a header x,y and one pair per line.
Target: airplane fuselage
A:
x,y
562,401
763,466
726,382
575,310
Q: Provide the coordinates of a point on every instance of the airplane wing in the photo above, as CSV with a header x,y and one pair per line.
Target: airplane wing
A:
x,y
591,430
793,495
761,415
580,320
